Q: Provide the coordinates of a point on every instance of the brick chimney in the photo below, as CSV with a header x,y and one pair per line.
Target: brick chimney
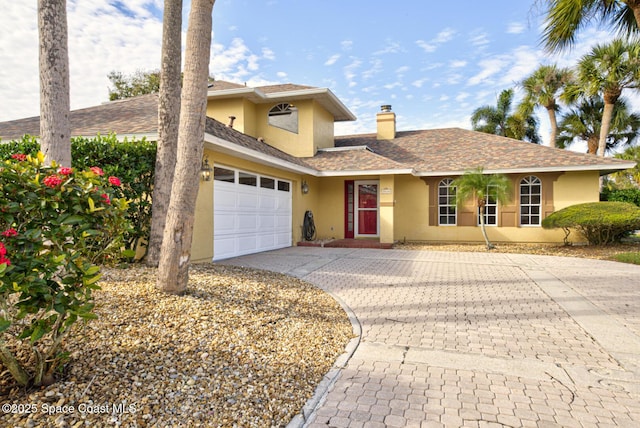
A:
x,y
386,121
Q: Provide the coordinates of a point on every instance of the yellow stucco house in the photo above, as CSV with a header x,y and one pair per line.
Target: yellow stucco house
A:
x,y
274,156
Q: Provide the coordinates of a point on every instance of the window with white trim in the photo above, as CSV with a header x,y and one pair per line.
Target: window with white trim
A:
x,y
490,208
284,116
530,201
447,210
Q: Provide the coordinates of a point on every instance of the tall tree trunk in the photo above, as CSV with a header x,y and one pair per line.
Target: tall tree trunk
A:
x,y
175,254
607,114
554,126
168,124
55,131
635,7
592,144
490,246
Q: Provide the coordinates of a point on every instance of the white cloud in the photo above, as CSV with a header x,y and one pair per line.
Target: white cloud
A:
x,y
457,63
350,72
444,97
282,75
462,96
268,54
374,68
515,28
444,36
479,39
403,69
332,59
347,45
390,47
488,68
418,83
427,47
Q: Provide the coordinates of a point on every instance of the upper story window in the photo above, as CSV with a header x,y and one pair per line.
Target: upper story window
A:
x,y
284,116
530,201
447,203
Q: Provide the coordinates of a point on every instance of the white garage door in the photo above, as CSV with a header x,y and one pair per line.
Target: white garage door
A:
x,y
251,213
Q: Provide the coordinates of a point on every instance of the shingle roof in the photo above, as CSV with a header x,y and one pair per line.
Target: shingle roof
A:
x,y
138,115
427,152
454,150
354,159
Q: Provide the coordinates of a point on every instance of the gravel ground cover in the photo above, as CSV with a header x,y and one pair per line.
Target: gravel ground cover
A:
x,y
242,348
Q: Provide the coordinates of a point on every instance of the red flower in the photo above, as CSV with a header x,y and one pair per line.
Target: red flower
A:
x,y
19,156
105,198
3,253
97,170
65,170
52,181
115,181
10,232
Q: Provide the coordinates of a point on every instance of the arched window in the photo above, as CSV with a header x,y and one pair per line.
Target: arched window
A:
x,y
530,201
447,203
284,116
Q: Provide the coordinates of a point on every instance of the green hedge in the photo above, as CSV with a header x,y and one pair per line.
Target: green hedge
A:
x,y
622,195
131,161
600,223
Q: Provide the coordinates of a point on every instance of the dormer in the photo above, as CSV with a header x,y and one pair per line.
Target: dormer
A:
x,y
296,119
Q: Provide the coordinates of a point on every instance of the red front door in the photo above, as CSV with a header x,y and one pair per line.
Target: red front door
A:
x,y
366,197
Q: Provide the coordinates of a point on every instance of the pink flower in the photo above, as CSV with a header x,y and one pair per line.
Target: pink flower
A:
x,y
52,181
115,181
97,170
105,198
3,253
10,232
65,170
19,156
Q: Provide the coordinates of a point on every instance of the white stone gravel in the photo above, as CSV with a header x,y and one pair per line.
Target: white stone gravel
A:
x,y
241,348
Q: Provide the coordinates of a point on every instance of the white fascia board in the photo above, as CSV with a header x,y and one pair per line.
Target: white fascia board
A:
x,y
362,172
621,167
345,149
230,92
257,157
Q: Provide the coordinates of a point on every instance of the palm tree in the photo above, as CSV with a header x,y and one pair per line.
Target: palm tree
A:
x,y
542,88
566,17
168,124
583,122
608,70
485,188
499,120
175,253
629,176
55,128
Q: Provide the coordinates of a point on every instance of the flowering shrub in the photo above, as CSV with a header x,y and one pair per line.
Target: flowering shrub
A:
x,y
56,224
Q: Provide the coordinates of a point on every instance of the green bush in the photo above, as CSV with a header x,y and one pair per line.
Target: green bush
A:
x,y
132,161
56,224
600,223
622,195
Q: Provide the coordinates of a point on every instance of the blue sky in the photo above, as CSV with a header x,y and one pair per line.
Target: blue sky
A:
x,y
433,63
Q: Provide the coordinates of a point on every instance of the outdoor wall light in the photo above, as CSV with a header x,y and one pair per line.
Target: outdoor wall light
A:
x,y
304,187
205,170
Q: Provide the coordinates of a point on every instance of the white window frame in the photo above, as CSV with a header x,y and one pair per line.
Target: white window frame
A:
x,y
446,183
528,182
490,204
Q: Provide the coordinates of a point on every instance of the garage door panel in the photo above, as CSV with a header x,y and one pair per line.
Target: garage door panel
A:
x,y
225,222
249,219
247,200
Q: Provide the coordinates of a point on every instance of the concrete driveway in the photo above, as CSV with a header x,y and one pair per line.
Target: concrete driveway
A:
x,y
476,339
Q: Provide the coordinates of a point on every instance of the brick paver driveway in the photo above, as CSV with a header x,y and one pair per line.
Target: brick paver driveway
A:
x,y
477,339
